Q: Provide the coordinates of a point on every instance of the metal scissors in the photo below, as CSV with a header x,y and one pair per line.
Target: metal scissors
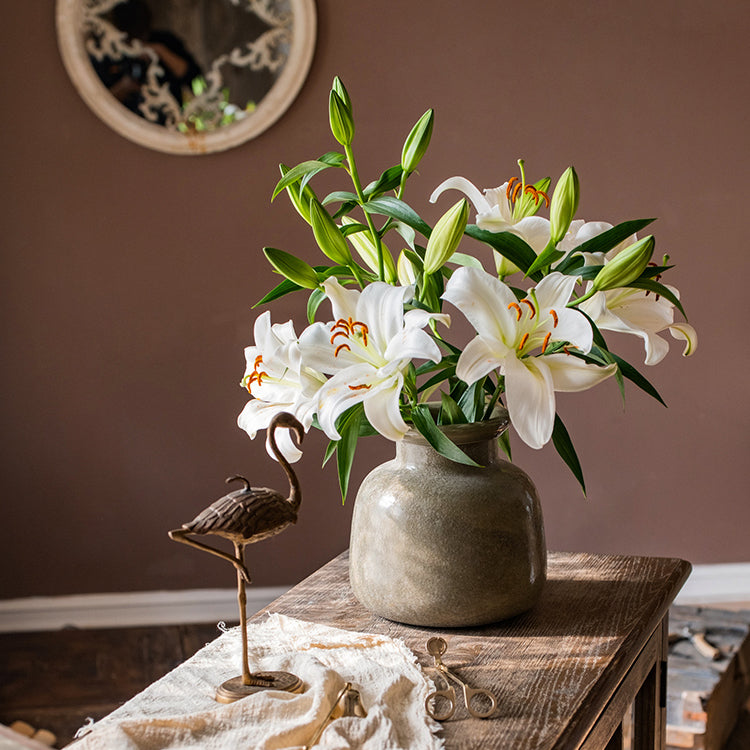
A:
x,y
441,704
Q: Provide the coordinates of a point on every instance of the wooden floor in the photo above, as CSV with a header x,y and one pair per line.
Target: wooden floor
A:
x,y
56,680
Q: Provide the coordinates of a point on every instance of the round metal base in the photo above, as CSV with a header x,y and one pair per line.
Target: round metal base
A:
x,y
234,689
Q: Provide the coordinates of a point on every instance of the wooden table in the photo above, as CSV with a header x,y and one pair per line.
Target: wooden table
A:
x,y
565,673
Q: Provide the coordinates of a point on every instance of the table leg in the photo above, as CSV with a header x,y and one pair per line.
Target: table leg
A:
x,y
616,742
650,707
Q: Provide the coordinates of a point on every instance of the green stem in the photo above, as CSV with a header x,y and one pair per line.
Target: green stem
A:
x,y
578,300
354,268
358,189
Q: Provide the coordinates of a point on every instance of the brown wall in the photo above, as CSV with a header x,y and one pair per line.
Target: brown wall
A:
x,y
128,278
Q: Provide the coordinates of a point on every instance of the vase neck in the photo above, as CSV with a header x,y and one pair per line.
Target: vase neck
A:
x,y
411,452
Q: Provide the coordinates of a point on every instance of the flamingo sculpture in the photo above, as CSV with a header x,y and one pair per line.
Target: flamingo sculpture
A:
x,y
246,516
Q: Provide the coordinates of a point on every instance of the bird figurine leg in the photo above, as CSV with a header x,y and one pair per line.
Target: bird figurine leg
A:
x,y
242,601
181,535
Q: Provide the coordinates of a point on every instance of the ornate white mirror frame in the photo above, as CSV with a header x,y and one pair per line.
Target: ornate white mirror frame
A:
x,y
86,35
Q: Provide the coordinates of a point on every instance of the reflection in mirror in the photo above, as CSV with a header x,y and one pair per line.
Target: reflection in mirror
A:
x,y
190,67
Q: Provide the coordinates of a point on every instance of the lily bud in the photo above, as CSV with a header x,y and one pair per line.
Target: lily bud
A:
x,y
564,205
417,142
367,250
446,236
340,116
292,268
328,235
406,273
340,89
626,266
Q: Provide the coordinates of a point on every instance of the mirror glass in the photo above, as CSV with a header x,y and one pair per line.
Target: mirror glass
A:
x,y
187,76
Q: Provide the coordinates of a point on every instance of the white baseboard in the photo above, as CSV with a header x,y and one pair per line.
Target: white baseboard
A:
x,y
707,585
131,609
724,583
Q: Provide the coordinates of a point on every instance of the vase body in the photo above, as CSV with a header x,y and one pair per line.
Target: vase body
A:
x,y
441,544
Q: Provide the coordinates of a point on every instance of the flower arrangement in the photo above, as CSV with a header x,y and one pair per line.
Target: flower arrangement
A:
x,y
539,303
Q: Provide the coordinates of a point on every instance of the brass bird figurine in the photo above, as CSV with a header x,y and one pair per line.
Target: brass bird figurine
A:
x,y
246,516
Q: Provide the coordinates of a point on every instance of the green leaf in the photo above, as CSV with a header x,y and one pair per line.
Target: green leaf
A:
x,y
504,441
292,268
549,255
389,180
339,196
605,241
450,412
348,426
635,377
508,245
313,303
425,425
472,401
660,289
564,446
285,287
387,205
463,259
311,168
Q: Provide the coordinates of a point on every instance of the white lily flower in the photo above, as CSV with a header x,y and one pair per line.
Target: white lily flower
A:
x,y
509,331
581,231
642,314
367,348
498,211
278,382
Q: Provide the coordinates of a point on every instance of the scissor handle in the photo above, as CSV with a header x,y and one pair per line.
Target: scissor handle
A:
x,y
437,697
472,693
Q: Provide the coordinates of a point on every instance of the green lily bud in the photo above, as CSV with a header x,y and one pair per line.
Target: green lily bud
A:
x,y
292,268
446,236
367,250
328,236
626,266
564,205
417,142
340,116
340,89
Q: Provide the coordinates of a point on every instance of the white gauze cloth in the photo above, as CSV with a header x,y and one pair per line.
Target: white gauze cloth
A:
x,y
179,710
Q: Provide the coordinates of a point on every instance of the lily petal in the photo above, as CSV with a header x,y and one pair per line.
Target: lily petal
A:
x,y
381,306
685,332
479,358
286,445
343,300
467,188
484,300
530,399
573,374
382,409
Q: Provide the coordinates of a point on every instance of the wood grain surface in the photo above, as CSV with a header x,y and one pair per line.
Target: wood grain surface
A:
x,y
554,669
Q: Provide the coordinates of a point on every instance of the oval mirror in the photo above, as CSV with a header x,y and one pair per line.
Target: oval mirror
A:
x,y
187,76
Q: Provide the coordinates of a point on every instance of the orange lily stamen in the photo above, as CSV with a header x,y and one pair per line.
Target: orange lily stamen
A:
x,y
345,334
510,187
524,339
516,190
531,306
359,387
340,347
517,308
546,341
554,318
